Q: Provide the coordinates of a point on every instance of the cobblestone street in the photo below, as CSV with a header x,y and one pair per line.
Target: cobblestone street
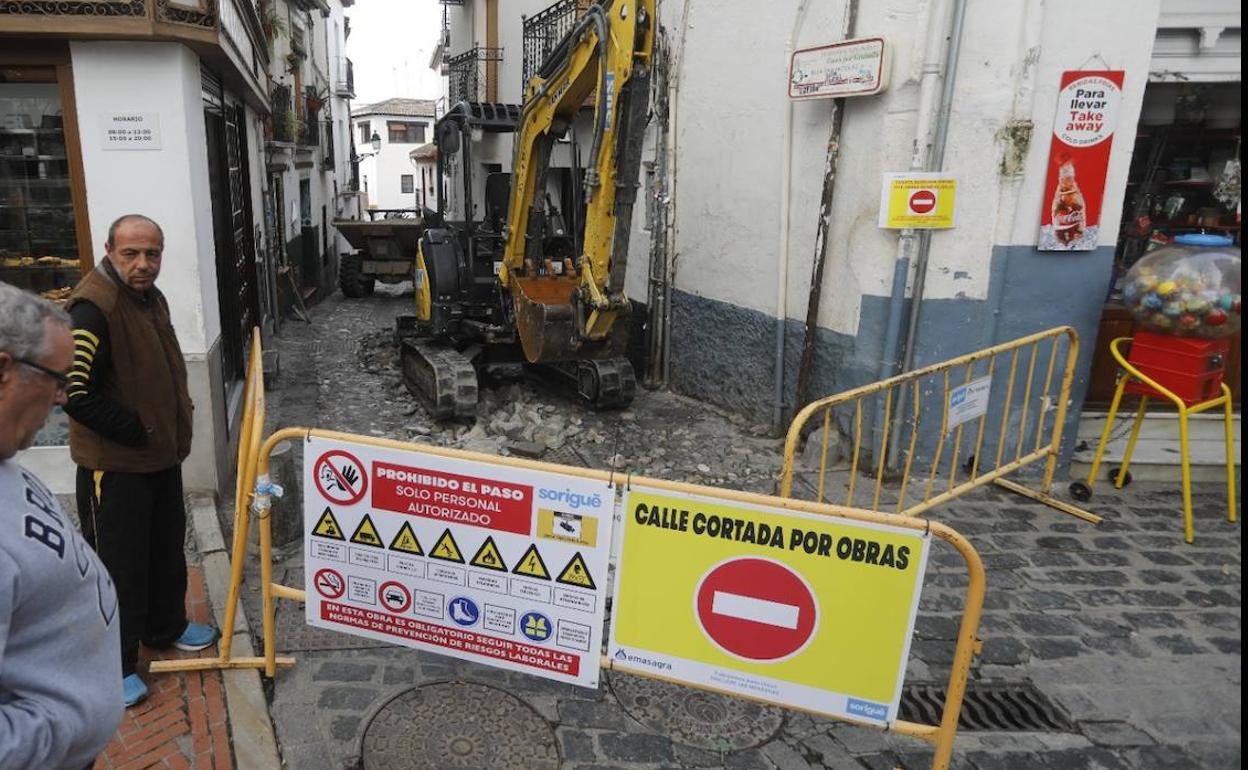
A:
x,y
1132,635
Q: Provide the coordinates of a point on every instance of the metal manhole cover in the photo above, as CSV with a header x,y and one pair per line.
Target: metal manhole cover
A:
x,y
987,706
695,718
457,725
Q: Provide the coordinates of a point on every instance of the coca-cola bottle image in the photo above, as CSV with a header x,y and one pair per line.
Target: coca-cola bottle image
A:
x,y
1068,207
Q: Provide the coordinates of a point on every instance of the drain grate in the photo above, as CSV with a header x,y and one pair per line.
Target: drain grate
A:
x,y
987,706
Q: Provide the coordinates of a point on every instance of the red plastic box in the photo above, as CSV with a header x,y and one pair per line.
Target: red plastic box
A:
x,y
1191,369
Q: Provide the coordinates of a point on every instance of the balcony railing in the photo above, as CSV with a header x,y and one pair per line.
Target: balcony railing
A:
x,y
344,77
469,74
310,129
285,124
543,31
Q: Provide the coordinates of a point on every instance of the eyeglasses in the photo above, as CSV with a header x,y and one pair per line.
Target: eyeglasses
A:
x,y
62,381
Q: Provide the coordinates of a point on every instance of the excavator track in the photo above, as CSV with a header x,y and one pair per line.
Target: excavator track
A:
x,y
601,384
441,378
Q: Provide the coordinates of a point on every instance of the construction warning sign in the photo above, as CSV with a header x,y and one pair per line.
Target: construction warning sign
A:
x,y
498,564
920,201
813,612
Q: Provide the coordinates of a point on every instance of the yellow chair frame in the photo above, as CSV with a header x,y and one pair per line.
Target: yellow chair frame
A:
x,y
1130,372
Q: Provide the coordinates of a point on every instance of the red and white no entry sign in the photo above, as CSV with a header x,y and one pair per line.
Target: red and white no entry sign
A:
x,y
340,477
922,201
756,609
395,596
329,583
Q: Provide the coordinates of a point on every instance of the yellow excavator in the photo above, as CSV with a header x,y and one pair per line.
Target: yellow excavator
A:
x,y
536,282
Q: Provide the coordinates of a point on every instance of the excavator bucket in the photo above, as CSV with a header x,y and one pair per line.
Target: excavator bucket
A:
x,y
546,318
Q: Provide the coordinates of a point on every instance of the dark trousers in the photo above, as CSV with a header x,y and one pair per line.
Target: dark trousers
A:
x,y
136,522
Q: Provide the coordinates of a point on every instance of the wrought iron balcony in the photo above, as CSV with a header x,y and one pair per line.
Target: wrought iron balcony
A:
x,y
285,125
543,31
344,77
469,74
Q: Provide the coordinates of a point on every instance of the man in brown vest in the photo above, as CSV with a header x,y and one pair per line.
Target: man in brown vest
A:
x,y
130,430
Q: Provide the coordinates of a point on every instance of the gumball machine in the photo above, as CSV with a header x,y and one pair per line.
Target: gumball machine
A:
x,y
1186,300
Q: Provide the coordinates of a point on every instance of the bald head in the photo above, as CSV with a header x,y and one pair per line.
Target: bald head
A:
x,y
135,246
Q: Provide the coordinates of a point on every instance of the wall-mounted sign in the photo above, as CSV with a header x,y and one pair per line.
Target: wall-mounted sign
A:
x,y
918,201
130,131
1083,133
848,68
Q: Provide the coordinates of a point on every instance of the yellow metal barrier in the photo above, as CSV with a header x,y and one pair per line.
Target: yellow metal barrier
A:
x,y
253,458
1020,424
1225,401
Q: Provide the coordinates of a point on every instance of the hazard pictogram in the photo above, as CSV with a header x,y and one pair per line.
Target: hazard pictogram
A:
x,y
489,557
576,574
406,541
366,533
327,526
531,565
447,549
329,583
340,477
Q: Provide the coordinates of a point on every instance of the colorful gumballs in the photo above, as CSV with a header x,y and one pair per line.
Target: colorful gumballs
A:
x,y
1173,309
1160,321
1188,321
1165,288
1215,317
1152,301
1198,305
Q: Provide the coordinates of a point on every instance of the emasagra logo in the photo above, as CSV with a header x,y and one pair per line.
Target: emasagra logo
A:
x,y
625,657
573,500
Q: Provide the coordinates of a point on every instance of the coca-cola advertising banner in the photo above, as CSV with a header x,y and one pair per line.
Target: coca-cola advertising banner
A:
x,y
1083,132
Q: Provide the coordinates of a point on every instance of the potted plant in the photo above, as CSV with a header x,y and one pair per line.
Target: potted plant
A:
x,y
271,22
287,125
315,97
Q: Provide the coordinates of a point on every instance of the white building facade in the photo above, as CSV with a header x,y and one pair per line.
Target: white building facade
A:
x,y
164,109
391,178
734,171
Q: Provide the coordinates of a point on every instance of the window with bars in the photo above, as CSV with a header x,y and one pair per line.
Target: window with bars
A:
x,y
407,184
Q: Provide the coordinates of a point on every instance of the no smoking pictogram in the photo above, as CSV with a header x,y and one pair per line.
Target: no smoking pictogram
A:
x,y
329,583
922,201
340,477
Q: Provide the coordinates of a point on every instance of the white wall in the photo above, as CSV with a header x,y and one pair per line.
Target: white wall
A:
x,y
386,167
730,110
170,185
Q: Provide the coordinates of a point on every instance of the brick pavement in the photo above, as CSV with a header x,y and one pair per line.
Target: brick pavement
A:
x,y
183,722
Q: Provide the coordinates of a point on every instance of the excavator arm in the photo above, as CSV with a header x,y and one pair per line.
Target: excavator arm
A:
x,y
570,309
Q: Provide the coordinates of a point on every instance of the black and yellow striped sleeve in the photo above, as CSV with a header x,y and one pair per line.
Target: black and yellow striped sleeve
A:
x,y
87,402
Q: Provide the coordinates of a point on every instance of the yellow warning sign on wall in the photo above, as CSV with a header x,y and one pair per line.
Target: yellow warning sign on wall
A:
x,y
488,557
815,612
918,201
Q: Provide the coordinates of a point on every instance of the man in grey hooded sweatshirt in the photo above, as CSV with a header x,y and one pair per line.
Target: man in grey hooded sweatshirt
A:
x,y
60,661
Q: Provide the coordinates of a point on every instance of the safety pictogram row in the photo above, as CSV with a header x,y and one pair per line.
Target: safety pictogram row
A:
x,y
446,548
